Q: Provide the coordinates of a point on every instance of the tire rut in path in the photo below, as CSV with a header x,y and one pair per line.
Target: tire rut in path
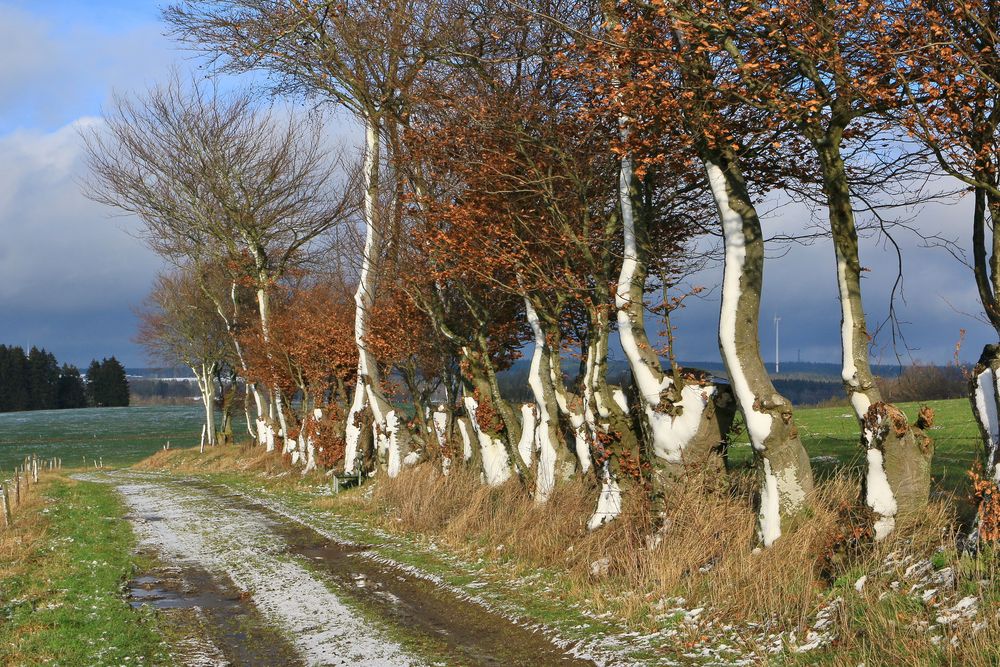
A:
x,y
462,629
209,621
298,579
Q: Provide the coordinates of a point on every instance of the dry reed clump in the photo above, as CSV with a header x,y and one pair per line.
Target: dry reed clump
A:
x,y
707,554
221,458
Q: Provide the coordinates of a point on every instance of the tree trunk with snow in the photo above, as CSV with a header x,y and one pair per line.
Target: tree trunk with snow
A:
x,y
554,460
251,388
470,455
984,386
985,398
897,476
391,437
570,405
205,375
441,422
264,310
685,417
495,446
786,479
616,452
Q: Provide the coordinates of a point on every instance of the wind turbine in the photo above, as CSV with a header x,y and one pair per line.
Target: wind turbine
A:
x,y
777,339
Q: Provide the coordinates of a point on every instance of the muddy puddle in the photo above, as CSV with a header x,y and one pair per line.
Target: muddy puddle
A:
x,y
211,622
462,631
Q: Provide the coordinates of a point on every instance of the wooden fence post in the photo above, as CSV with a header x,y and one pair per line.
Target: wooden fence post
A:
x,y
7,519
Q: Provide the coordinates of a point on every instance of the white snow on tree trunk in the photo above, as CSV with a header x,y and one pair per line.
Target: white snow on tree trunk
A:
x,y
777,487
204,375
581,442
859,401
259,402
439,422
879,496
526,445
364,296
986,397
352,433
618,396
394,456
264,310
385,430
545,478
609,503
463,431
496,467
758,423
310,455
670,434
769,519
878,493
265,434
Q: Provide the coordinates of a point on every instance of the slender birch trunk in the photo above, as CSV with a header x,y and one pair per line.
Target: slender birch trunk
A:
x,y
787,480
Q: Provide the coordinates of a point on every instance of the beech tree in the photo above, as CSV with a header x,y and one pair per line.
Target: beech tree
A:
x,y
219,177
948,58
534,177
814,67
310,355
675,86
365,58
178,325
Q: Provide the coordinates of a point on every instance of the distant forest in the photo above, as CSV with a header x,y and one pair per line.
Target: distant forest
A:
x,y
36,381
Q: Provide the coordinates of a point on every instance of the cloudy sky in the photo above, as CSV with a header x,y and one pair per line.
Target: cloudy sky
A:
x,y
70,272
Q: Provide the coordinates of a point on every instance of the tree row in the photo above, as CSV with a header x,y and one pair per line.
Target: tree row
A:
x,y
542,179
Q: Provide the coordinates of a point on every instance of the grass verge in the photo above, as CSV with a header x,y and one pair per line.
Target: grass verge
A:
x,y
63,569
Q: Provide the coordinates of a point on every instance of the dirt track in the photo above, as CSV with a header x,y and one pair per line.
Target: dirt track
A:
x,y
244,585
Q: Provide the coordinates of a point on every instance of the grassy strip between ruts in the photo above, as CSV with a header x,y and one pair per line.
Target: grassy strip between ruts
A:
x,y
61,583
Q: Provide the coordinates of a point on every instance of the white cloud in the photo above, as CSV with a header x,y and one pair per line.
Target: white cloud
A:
x,y
61,252
52,72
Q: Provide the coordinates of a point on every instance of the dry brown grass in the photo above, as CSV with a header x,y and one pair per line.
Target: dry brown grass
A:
x,y
707,554
18,541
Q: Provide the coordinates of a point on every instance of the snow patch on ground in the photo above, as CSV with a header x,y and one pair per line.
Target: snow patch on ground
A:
x,y
195,527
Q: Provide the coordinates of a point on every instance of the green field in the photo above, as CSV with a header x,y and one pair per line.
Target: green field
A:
x,y
121,436
833,432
